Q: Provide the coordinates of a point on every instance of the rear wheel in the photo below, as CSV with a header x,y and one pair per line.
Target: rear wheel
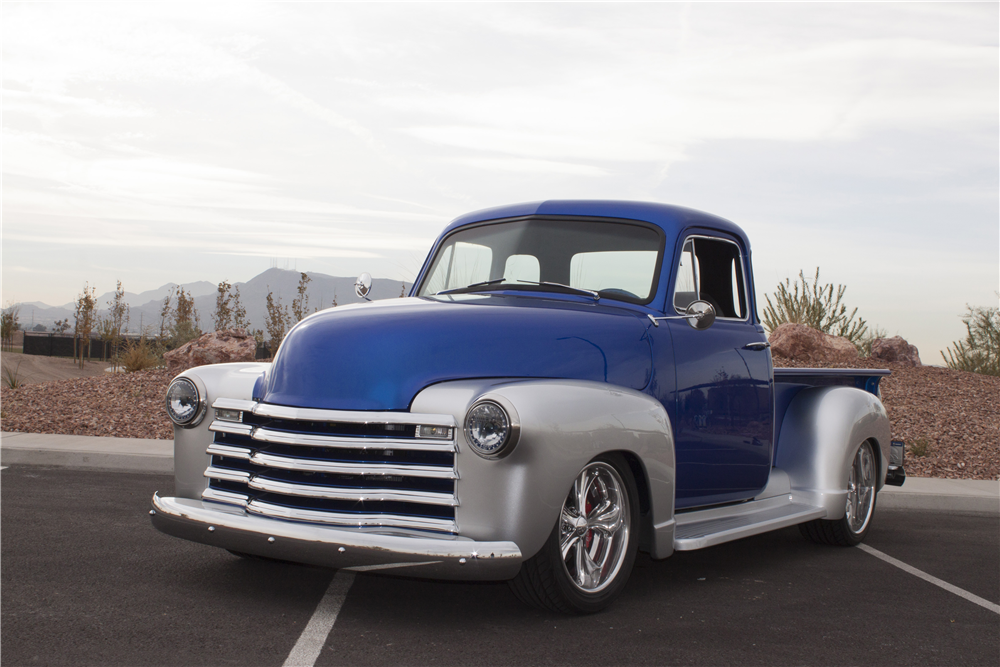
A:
x,y
587,559
851,529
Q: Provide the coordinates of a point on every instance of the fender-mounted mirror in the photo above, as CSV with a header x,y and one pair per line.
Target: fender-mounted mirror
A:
x,y
363,285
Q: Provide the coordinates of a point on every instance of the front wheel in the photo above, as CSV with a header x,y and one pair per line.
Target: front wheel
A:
x,y
850,530
587,559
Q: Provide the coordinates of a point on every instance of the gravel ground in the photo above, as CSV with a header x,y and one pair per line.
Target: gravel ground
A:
x,y
124,405
949,419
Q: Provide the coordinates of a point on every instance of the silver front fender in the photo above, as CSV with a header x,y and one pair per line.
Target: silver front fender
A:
x,y
822,429
564,425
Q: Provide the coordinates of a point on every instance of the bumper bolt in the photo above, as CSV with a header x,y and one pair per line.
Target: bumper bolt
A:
x,y
341,549
211,529
152,512
270,540
461,561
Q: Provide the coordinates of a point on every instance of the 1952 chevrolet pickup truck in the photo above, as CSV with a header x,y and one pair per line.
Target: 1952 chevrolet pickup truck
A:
x,y
569,382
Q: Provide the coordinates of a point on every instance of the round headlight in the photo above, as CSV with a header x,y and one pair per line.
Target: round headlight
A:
x,y
184,406
490,430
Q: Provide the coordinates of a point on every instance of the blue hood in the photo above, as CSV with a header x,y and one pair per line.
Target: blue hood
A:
x,y
378,356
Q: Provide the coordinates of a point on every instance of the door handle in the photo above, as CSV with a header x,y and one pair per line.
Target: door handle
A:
x,y
756,346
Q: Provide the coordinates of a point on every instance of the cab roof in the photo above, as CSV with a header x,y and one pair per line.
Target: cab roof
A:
x,y
671,219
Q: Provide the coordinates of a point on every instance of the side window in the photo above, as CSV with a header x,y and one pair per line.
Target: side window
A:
x,y
459,265
712,270
686,289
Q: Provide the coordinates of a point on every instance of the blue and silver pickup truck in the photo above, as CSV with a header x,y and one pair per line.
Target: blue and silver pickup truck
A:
x,y
568,383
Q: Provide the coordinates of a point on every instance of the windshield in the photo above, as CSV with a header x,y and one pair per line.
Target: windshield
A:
x,y
617,260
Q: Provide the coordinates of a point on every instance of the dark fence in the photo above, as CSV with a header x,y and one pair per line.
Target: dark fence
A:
x,y
61,345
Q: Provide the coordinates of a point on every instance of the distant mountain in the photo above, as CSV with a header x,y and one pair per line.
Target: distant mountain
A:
x,y
200,288
144,308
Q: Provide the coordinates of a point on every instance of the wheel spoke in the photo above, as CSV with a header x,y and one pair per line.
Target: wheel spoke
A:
x,y
591,569
607,523
567,544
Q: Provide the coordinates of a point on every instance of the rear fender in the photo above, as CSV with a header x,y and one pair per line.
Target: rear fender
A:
x,y
564,425
820,433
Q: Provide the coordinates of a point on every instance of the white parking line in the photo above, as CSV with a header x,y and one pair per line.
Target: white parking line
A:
x,y
4,467
313,638
995,608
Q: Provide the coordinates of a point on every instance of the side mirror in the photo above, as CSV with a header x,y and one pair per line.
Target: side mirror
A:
x,y
700,315
363,286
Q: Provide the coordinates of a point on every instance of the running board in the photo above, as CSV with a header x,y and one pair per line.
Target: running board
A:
x,y
705,528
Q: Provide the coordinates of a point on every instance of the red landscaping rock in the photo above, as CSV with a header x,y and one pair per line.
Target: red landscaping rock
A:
x,y
802,343
218,347
895,350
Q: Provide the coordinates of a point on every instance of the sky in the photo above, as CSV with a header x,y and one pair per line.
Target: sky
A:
x,y
177,142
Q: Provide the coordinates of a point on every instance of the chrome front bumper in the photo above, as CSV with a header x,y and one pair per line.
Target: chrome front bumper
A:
x,y
346,549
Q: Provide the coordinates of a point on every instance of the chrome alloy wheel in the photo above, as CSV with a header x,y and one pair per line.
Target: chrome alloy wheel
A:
x,y
861,489
594,527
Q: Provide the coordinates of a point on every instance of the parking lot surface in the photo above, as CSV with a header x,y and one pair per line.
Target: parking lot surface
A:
x,y
87,581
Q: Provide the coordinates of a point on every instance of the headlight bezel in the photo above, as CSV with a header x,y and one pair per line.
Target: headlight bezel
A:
x,y
201,407
513,435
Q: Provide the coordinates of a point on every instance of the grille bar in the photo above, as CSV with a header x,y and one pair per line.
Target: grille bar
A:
x,y
365,469
216,449
230,427
222,496
227,475
313,414
265,508
363,495
280,437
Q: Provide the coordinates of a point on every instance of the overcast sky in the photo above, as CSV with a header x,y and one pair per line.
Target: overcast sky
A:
x,y
177,142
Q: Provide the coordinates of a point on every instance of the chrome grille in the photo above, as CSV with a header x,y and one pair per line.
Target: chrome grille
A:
x,y
359,469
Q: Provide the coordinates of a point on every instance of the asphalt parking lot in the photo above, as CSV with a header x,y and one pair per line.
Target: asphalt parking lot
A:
x,y
87,581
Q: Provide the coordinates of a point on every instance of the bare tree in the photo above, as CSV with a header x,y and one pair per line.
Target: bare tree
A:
x,y
84,322
185,319
240,320
8,324
276,322
118,315
165,314
300,303
223,307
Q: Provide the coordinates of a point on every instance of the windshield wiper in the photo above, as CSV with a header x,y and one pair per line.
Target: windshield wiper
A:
x,y
575,290
470,288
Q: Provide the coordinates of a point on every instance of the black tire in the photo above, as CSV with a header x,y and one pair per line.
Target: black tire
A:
x,y
850,530
545,579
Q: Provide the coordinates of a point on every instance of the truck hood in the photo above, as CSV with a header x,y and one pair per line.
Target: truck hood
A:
x,y
379,355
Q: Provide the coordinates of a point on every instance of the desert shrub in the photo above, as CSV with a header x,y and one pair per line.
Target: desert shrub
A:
x,y
815,306
12,378
139,355
920,447
980,351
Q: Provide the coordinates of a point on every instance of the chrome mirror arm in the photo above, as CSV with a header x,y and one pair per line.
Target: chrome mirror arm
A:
x,y
656,320
699,314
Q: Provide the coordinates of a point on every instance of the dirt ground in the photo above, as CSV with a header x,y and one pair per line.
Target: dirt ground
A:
x,y
32,368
